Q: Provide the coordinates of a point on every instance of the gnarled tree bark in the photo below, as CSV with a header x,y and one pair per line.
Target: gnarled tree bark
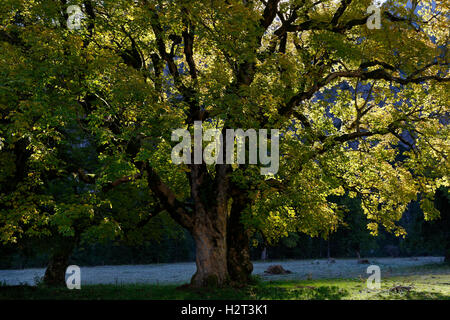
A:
x,y
240,266
55,274
209,233
210,225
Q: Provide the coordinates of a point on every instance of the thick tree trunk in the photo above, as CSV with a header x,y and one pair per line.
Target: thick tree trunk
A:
x,y
240,266
328,248
211,255
264,254
55,274
209,227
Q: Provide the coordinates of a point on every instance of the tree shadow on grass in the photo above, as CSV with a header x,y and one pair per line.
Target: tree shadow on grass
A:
x,y
300,293
414,295
19,292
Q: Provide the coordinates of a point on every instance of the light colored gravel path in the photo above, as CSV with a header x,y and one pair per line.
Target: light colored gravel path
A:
x,y
182,272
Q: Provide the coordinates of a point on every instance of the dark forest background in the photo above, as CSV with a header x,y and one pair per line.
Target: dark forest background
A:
x,y
352,238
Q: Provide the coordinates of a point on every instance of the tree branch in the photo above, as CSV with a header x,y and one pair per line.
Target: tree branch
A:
x,y
91,179
379,74
340,11
174,207
269,13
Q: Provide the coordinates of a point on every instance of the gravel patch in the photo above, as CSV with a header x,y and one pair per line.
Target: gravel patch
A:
x,y
177,273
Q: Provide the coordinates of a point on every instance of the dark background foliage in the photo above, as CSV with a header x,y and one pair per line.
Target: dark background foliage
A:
x,y
423,239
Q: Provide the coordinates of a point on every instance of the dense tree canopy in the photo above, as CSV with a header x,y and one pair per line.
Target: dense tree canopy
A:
x,y
94,107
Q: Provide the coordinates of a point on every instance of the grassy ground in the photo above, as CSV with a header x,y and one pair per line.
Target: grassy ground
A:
x,y
425,282
179,273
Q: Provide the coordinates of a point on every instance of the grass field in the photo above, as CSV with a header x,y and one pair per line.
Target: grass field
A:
x,y
180,273
420,282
